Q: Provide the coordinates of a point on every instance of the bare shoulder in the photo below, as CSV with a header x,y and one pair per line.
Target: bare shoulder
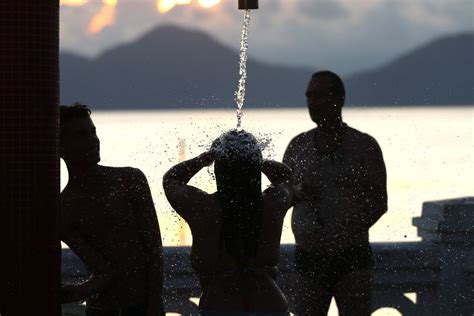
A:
x,y
127,175
364,140
201,215
119,171
302,138
298,143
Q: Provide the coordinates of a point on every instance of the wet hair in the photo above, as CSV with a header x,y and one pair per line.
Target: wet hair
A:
x,y
238,164
70,112
337,86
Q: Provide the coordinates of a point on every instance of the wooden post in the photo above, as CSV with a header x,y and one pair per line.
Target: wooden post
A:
x,y
183,229
29,163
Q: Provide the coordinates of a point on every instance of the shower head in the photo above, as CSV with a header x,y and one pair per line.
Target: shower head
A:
x,y
248,4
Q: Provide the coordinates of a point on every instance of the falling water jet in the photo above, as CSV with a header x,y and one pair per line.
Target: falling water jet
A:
x,y
240,93
246,5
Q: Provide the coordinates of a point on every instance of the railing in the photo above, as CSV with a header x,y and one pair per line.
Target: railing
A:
x,y
431,277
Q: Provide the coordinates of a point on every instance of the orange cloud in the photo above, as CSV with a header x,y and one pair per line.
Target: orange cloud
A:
x,y
104,18
208,3
73,2
164,6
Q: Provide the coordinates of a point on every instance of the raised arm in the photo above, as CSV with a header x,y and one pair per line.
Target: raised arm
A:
x,y
280,195
150,232
186,199
276,172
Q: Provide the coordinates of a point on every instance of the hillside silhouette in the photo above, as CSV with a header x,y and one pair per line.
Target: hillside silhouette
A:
x,y
438,73
173,68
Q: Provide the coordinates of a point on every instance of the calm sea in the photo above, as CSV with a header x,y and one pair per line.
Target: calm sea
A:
x,y
429,154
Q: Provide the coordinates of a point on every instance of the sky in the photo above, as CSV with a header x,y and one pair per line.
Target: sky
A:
x,y
345,36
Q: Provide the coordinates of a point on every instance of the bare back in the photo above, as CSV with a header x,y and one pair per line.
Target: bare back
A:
x,y
225,285
205,222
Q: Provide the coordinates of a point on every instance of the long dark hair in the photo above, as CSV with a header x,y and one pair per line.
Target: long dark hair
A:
x,y
238,163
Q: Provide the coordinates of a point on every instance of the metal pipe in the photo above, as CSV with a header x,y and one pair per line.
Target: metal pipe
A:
x,y
248,4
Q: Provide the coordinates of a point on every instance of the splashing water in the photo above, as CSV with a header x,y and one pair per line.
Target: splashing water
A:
x,y
237,145
244,44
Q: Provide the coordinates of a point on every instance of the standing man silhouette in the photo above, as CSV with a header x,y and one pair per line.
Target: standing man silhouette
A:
x,y
341,180
108,219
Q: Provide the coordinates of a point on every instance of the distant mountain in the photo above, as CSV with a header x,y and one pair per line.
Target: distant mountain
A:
x,y
171,67
439,73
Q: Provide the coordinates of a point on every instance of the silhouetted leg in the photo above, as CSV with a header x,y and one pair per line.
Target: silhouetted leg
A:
x,y
313,283
134,311
127,311
312,296
353,293
99,312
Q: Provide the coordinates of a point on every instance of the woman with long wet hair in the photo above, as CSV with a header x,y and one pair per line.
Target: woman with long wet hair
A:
x,y
236,231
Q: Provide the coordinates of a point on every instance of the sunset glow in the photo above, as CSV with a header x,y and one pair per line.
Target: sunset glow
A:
x,y
73,2
104,18
106,15
208,3
164,6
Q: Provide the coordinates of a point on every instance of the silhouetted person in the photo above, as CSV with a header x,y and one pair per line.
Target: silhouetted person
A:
x,y
341,177
236,231
108,219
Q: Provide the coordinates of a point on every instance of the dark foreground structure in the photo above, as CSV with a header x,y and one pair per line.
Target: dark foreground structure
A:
x,y
439,270
29,163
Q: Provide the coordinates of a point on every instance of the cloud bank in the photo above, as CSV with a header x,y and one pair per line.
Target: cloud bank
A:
x,y
342,35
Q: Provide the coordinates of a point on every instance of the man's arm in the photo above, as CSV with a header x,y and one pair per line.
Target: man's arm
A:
x,y
150,231
281,191
99,281
376,186
289,154
308,232
289,160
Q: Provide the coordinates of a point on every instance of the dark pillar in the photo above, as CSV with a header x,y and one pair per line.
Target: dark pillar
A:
x,y
29,164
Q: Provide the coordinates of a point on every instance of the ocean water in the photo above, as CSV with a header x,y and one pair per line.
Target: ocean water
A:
x,y
428,152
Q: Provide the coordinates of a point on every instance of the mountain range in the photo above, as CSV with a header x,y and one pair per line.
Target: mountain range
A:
x,y
174,68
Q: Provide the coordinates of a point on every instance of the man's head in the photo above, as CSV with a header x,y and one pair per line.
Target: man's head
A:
x,y
325,97
78,141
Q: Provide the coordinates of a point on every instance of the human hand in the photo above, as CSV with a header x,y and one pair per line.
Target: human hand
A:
x,y
207,157
276,172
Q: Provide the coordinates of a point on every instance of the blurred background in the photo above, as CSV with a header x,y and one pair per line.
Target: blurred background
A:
x,y
160,78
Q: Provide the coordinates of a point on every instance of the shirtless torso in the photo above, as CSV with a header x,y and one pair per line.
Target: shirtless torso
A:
x,y
109,220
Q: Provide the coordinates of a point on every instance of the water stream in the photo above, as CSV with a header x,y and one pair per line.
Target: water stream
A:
x,y
244,44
